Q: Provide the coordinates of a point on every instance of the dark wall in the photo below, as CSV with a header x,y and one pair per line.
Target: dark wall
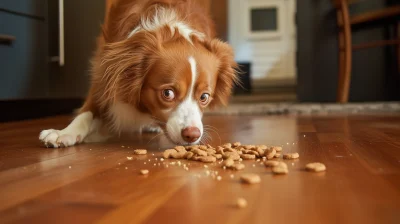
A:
x,y
83,21
373,78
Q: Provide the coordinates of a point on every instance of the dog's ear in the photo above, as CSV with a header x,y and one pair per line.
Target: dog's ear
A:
x,y
227,71
125,65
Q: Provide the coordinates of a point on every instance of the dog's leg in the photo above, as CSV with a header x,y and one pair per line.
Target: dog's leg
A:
x,y
74,133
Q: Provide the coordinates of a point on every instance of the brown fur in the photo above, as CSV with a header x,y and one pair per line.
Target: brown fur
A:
x,y
134,70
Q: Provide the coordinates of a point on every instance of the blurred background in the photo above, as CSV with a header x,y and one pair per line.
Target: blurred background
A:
x,y
291,51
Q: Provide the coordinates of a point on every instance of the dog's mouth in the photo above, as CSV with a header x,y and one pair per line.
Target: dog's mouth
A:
x,y
163,126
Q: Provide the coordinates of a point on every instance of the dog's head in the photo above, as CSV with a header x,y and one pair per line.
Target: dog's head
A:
x,y
172,77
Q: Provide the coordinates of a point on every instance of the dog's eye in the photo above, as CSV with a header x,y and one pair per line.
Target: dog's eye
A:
x,y
204,98
168,94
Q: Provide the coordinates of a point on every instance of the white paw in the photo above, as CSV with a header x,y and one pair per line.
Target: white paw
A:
x,y
151,129
56,138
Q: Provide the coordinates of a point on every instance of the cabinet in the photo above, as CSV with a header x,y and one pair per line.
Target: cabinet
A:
x,y
23,61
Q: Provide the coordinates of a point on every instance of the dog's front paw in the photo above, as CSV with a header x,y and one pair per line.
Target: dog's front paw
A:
x,y
56,138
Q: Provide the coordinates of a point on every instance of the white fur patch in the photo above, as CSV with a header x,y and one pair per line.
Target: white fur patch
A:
x,y
167,17
74,133
188,113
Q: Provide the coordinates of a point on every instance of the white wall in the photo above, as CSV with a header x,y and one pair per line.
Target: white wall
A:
x,y
273,59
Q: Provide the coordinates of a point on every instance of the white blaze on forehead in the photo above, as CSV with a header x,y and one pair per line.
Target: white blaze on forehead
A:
x,y
188,113
193,65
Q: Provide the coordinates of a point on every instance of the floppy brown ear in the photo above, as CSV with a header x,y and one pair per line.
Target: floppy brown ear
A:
x,y
125,64
227,72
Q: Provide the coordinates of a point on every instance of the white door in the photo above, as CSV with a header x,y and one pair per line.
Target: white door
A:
x,y
263,33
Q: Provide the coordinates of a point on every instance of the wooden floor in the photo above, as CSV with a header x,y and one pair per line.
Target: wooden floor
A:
x,y
97,183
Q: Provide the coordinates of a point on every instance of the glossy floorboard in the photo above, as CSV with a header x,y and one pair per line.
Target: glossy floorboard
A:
x,y
96,183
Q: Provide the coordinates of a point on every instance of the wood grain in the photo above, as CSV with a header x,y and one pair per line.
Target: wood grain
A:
x,y
96,183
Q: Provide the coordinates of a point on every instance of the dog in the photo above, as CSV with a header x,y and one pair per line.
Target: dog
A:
x,y
157,64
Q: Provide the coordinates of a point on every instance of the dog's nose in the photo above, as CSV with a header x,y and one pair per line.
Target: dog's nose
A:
x,y
190,134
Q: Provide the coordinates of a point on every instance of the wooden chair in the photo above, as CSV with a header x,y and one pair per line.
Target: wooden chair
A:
x,y
345,23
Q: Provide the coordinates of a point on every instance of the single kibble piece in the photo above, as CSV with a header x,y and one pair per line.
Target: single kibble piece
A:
x,y
248,156
218,156
180,148
241,203
178,155
199,152
167,153
208,159
277,155
203,147
277,148
129,158
238,166
271,163
291,155
250,178
263,147
227,145
281,168
144,172
140,151
233,155
270,153
229,162
260,151
188,155
316,167
236,144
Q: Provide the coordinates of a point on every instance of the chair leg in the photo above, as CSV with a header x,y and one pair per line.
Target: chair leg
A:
x,y
345,53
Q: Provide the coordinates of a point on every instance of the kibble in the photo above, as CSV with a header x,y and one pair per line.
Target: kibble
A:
x,y
281,168
250,178
248,156
241,203
144,172
229,162
315,167
291,155
277,148
270,153
140,151
238,166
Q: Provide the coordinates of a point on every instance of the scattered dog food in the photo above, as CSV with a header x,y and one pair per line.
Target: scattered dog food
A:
x,y
250,178
129,158
291,155
241,203
144,172
316,167
140,151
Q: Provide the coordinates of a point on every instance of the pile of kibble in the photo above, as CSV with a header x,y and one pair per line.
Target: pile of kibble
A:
x,y
230,153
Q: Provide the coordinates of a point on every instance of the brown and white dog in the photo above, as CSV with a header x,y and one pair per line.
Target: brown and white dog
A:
x,y
157,61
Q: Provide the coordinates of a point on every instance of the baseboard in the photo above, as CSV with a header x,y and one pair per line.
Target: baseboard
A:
x,y
17,110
